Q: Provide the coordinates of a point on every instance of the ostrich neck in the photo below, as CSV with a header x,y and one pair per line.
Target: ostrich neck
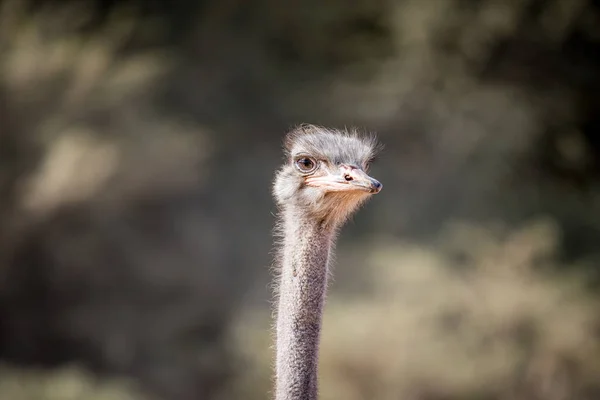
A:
x,y
302,287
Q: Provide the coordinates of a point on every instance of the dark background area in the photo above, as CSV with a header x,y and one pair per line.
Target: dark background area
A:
x,y
138,140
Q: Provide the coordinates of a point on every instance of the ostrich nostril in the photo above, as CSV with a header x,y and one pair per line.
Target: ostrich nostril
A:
x,y
348,177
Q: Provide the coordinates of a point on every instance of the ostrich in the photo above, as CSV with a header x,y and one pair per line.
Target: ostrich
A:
x,y
322,182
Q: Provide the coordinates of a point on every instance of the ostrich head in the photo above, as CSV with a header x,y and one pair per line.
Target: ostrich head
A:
x,y
325,175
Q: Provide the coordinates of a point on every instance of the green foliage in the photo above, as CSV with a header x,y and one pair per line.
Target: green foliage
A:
x,y
63,384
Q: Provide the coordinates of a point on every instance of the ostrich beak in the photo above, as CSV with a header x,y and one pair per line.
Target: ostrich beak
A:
x,y
350,178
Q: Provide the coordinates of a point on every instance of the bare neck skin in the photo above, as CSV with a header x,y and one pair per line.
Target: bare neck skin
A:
x,y
304,259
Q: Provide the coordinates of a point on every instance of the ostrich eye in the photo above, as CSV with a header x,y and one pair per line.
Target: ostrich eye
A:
x,y
306,164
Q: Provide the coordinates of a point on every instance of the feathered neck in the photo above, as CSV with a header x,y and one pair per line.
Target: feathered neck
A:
x,y
304,255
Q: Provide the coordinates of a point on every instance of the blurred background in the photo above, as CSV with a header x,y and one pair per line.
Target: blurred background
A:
x,y
138,140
